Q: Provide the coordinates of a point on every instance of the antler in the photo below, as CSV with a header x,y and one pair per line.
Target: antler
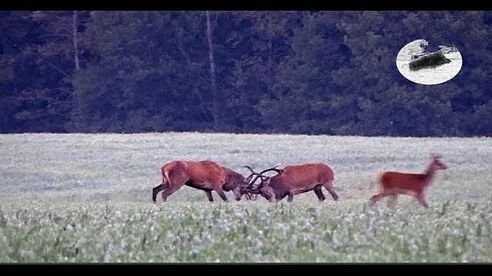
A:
x,y
252,172
249,168
273,169
252,191
250,187
249,191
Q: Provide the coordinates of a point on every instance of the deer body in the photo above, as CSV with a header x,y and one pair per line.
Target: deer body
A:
x,y
203,175
412,184
296,179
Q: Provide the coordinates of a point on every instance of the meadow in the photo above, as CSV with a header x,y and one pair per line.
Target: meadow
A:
x,y
87,198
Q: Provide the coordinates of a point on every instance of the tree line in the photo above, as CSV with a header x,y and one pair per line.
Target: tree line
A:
x,y
329,72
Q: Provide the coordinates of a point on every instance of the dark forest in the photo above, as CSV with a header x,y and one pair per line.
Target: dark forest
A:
x,y
243,72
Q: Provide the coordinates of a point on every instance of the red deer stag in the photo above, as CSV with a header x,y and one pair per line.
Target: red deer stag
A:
x,y
412,184
293,180
203,175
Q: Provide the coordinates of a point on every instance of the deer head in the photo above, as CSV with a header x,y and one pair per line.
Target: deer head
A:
x,y
436,163
263,188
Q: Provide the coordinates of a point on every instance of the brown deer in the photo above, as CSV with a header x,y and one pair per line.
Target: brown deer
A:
x,y
293,180
412,184
203,175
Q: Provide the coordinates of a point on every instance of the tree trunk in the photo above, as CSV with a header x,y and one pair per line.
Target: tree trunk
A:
x,y
74,40
212,73
77,116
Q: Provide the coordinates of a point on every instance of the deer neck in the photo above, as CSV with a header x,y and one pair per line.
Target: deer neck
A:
x,y
429,174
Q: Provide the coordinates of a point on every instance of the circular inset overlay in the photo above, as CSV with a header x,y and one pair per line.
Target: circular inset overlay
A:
x,y
428,67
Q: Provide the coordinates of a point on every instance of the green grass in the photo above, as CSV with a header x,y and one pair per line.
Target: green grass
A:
x,y
87,198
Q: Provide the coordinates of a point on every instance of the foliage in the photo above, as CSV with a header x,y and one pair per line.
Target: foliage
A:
x,y
282,72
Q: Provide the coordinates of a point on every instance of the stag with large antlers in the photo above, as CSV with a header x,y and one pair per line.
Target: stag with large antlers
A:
x,y
294,180
203,175
396,183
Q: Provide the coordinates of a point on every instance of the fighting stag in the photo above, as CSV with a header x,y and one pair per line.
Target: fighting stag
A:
x,y
206,175
293,180
412,184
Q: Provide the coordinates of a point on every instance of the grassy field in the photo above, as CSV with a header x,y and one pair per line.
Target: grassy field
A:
x,y
87,198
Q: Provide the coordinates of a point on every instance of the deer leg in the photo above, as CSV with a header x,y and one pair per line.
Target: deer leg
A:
x,y
275,199
290,196
221,194
421,199
393,200
333,194
376,198
329,188
209,196
156,190
169,191
319,193
175,180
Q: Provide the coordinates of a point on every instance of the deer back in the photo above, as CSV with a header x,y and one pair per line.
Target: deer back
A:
x,y
403,181
299,176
